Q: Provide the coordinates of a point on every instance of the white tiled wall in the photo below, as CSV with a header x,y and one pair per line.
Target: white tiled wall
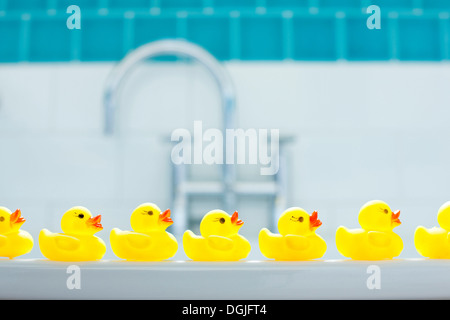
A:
x,y
363,131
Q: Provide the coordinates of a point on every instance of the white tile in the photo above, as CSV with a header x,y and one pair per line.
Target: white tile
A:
x,y
23,165
146,169
408,96
205,99
345,167
58,168
265,94
78,98
424,169
25,98
154,99
81,168
256,214
341,95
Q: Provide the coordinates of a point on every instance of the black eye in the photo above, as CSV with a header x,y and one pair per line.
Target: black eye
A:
x,y
81,216
222,220
300,219
2,218
386,211
150,213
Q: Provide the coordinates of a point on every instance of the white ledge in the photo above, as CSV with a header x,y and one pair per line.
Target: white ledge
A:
x,y
191,280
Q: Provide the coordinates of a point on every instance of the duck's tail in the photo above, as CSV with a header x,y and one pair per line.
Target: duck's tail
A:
x,y
192,245
266,243
114,240
44,242
423,241
342,241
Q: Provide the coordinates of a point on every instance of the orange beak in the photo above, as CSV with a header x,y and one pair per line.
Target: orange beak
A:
x,y
95,222
235,220
165,216
394,217
16,217
313,221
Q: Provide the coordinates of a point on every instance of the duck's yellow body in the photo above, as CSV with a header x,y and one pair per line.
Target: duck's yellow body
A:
x,y
70,247
149,241
13,241
15,244
297,239
151,246
434,243
219,239
375,240
360,244
215,248
77,242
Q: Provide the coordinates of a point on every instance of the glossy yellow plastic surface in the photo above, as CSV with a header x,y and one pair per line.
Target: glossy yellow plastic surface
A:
x,y
297,239
434,243
219,239
376,240
13,241
77,242
149,241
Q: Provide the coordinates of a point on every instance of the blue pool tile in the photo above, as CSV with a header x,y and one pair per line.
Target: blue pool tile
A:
x,y
314,38
212,33
235,4
339,4
151,28
102,39
287,4
181,4
418,39
402,5
261,38
445,40
83,4
26,5
10,40
49,40
247,34
436,4
129,4
364,43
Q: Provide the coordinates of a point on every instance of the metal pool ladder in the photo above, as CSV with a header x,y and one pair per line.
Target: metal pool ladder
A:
x,y
228,188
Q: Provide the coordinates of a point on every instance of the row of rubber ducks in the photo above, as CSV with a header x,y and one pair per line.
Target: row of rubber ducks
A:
x,y
219,238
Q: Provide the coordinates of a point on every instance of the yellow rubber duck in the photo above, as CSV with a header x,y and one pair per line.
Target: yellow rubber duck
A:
x,y
376,240
434,243
78,242
297,239
13,241
149,241
219,240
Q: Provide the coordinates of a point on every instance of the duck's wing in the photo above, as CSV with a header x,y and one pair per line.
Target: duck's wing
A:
x,y
66,242
379,239
220,243
138,240
297,242
3,240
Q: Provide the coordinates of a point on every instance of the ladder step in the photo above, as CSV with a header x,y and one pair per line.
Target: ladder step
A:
x,y
240,188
